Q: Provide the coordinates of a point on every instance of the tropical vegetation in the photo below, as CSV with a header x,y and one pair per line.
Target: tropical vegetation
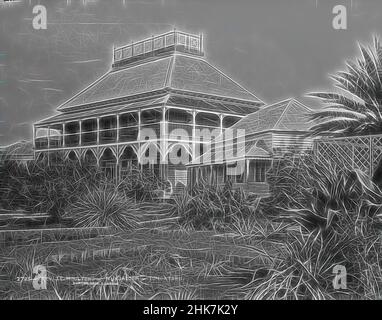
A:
x,y
356,107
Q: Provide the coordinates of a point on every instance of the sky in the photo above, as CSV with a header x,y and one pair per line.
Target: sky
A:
x,y
275,48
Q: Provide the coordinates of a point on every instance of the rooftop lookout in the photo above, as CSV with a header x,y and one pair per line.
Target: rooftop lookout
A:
x,y
158,46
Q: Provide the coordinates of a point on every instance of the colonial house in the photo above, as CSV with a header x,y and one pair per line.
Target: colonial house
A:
x,y
246,151
158,93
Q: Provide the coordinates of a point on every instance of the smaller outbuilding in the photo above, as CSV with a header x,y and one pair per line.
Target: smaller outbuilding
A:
x,y
247,150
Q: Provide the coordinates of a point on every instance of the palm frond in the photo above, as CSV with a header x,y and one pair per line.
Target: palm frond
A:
x,y
357,108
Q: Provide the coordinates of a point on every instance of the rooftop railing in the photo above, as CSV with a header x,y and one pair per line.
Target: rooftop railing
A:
x,y
177,39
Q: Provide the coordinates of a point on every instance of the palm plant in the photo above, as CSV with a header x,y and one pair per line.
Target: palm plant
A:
x,y
357,107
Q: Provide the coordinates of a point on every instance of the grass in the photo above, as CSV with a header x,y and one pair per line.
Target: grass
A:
x,y
252,260
154,265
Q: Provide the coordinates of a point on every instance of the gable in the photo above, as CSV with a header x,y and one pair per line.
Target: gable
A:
x,y
295,118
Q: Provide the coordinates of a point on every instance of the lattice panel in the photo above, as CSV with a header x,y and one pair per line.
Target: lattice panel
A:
x,y
363,152
377,151
362,159
358,141
377,142
377,156
342,154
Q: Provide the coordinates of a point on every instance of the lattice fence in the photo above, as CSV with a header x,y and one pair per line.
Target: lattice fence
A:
x,y
360,152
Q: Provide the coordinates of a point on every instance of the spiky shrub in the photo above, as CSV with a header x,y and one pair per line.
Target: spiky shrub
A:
x,y
337,211
103,206
303,270
213,207
282,178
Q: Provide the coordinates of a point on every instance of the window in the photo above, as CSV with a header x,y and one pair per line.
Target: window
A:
x,y
207,119
220,173
257,170
128,119
235,172
179,116
151,116
108,122
72,127
89,125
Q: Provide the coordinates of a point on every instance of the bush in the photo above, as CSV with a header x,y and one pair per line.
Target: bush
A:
x,y
103,206
36,187
302,271
213,207
318,194
337,212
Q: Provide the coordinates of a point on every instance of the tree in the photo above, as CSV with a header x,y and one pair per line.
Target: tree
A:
x,y
357,108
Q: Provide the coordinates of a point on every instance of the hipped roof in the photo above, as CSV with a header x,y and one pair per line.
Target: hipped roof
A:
x,y
288,115
177,72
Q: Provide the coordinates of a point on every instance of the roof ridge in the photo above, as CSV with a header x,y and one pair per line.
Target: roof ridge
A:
x,y
275,103
261,109
292,103
170,71
301,104
222,73
237,83
282,114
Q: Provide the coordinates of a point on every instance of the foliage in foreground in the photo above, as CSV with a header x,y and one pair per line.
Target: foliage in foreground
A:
x,y
337,213
36,187
213,207
39,187
103,206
